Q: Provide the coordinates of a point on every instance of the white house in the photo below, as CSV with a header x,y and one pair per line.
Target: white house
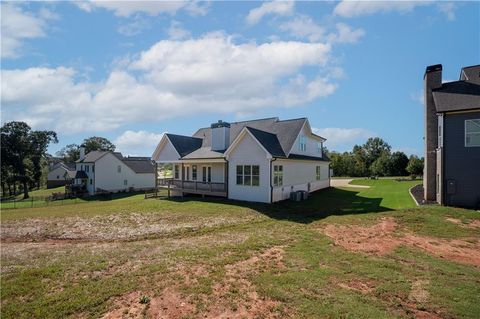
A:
x,y
59,173
105,171
259,160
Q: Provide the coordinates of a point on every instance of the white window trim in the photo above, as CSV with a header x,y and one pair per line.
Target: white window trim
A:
x,y
465,136
278,174
243,175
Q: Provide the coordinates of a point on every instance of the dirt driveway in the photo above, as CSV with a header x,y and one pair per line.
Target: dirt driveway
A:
x,y
345,183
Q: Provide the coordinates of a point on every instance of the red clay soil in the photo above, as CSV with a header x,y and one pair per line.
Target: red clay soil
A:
x,y
233,297
380,239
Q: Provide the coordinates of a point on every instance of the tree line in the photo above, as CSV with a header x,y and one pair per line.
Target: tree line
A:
x,y
374,158
24,158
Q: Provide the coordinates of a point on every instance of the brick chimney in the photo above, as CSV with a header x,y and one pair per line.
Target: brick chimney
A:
x,y
432,80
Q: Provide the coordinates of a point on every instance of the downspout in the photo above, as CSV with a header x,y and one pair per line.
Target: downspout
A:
x,y
271,184
226,172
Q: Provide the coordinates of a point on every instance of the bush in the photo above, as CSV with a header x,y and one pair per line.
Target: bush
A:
x,y
144,299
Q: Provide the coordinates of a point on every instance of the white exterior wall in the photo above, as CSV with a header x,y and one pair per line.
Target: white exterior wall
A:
x,y
297,175
57,174
167,153
90,174
218,171
108,178
249,152
311,145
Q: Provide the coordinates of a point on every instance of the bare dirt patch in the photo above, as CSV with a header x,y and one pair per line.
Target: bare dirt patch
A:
x,y
170,304
363,287
472,225
380,239
234,296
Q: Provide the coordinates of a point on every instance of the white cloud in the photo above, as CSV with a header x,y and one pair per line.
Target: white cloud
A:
x,y
345,34
176,32
152,8
349,9
341,136
303,26
137,143
448,8
135,27
171,79
18,25
280,8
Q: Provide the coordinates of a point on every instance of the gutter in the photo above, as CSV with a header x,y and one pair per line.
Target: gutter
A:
x,y
270,175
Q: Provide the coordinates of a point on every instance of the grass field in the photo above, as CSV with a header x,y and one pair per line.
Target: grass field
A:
x,y
343,253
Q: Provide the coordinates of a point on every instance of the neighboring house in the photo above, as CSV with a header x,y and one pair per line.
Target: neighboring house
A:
x,y
105,171
59,173
260,160
452,138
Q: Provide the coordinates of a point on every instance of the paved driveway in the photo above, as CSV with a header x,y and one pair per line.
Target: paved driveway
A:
x,y
345,183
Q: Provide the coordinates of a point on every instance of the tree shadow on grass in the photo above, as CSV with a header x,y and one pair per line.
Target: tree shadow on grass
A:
x,y
319,205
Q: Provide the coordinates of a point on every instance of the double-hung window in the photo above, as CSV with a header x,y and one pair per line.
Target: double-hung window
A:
x,y
472,133
319,147
277,175
248,175
177,172
119,169
302,143
194,172
87,168
318,173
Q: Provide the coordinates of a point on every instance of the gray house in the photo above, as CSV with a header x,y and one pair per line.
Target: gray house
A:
x,y
452,138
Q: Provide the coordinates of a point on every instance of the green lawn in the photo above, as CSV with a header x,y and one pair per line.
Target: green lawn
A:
x,y
195,258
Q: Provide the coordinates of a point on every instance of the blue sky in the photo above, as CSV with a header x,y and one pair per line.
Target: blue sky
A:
x,y
130,71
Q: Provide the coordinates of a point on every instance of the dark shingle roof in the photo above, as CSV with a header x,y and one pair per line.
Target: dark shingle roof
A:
x,y
286,130
139,165
184,144
269,141
310,158
81,174
457,96
93,156
66,166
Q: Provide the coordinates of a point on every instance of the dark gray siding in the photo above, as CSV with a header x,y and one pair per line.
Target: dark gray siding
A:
x,y
461,164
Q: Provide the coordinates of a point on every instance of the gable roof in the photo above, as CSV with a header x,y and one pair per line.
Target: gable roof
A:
x,y
269,141
137,164
184,144
93,156
457,96
65,166
285,130
203,152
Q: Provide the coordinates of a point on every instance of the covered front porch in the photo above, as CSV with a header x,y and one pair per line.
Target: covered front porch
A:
x,y
206,178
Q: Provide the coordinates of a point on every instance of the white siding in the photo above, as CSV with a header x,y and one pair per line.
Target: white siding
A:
x,y
249,152
297,175
311,144
218,171
108,178
167,153
57,174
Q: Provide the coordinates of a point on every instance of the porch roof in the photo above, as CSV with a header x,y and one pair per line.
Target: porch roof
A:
x,y
203,152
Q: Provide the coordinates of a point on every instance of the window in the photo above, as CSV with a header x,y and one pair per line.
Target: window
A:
x,y
177,172
81,167
248,175
194,172
318,170
302,143
119,168
93,168
277,175
207,174
125,182
91,182
319,147
86,168
472,133
58,176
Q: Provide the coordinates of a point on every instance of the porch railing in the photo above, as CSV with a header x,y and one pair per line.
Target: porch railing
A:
x,y
194,186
